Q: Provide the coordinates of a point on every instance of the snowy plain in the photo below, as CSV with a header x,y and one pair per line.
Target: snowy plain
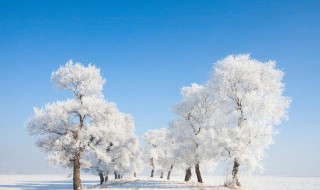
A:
x,y
62,182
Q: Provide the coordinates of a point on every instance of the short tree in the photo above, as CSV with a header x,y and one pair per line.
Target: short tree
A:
x,y
108,143
195,112
127,152
167,159
152,151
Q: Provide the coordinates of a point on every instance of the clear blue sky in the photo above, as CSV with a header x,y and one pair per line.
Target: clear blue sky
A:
x,y
148,50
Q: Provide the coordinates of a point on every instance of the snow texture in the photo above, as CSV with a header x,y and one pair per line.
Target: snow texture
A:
x,y
61,182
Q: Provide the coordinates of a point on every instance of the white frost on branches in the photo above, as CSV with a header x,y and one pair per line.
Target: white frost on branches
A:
x,y
232,117
86,129
251,104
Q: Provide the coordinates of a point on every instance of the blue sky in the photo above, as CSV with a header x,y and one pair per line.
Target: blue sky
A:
x,y
148,50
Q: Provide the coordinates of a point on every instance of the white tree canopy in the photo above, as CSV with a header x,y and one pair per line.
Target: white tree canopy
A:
x,y
251,102
80,80
85,128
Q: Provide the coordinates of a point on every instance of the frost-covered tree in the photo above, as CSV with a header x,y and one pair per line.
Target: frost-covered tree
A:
x,y
162,146
153,149
126,153
101,154
99,161
181,150
69,130
251,103
166,159
191,128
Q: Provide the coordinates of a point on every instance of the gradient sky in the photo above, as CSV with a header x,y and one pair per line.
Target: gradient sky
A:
x,y
148,50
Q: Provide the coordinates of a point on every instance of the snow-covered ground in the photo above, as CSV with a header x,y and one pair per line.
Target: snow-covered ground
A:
x,y
61,182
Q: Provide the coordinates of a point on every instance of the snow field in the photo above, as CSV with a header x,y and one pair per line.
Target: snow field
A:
x,y
62,182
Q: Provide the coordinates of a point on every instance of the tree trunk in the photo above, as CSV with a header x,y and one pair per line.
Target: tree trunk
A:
x,y
106,178
76,173
235,181
76,161
101,178
188,174
169,172
115,175
161,176
152,166
197,168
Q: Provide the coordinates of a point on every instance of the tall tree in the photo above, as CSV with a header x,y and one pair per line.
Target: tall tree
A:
x,y
251,103
67,130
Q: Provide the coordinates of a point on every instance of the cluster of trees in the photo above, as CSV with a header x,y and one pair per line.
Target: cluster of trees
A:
x,y
86,132
230,118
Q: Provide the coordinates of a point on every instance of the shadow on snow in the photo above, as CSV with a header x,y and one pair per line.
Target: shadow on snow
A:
x,y
45,185
152,184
